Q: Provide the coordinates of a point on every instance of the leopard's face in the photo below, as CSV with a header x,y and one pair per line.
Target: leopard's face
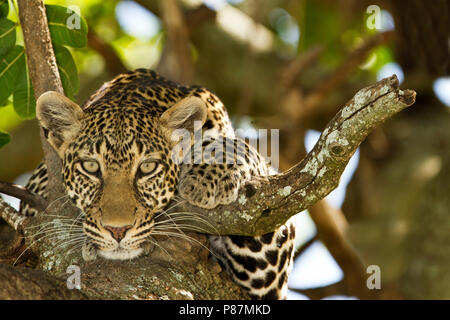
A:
x,y
118,167
120,178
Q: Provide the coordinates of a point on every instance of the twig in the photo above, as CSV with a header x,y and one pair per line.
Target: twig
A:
x,y
20,192
332,81
297,65
264,204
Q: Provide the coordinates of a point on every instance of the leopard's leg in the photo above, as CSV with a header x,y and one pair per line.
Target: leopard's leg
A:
x,y
261,265
37,184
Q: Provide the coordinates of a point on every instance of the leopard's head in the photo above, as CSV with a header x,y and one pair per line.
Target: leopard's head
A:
x,y
118,165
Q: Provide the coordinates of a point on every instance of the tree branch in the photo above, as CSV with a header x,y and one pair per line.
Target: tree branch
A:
x,y
331,225
28,284
45,77
337,77
305,246
193,17
11,216
264,204
176,61
112,61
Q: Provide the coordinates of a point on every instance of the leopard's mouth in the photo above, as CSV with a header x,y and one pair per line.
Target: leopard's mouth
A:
x,y
120,253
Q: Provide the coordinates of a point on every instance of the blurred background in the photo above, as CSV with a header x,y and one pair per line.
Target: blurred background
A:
x,y
291,65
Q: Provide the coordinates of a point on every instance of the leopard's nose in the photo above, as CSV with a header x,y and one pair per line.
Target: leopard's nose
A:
x,y
118,233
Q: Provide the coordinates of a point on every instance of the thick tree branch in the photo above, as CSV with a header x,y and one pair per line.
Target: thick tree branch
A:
x,y
266,203
28,284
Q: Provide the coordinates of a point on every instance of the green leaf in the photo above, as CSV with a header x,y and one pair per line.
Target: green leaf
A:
x,y
9,68
66,26
4,139
5,103
23,97
7,35
4,8
67,71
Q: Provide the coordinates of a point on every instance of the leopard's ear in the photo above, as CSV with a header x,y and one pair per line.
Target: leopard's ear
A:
x,y
60,118
188,114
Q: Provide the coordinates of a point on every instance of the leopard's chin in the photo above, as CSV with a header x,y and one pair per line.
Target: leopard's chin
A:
x,y
120,253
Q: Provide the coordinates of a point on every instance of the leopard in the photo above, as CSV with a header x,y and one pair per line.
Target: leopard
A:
x,y
122,166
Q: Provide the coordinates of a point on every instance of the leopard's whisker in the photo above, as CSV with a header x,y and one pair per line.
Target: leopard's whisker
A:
x,y
59,227
172,207
195,216
153,241
68,222
75,247
182,236
176,222
165,211
184,227
57,199
71,241
53,234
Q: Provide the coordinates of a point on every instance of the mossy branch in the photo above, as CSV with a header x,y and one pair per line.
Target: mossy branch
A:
x,y
264,204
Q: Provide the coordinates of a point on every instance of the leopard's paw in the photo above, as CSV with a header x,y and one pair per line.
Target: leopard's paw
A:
x,y
208,186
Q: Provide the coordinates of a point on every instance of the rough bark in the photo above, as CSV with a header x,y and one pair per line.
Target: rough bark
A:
x,y
44,76
28,284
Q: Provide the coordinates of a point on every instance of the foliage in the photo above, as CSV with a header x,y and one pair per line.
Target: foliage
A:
x,y
67,28
296,29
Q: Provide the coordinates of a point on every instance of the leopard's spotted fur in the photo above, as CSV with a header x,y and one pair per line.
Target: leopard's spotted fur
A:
x,y
118,129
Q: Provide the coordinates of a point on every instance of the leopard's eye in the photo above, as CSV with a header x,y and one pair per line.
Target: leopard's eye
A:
x,y
148,167
90,166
